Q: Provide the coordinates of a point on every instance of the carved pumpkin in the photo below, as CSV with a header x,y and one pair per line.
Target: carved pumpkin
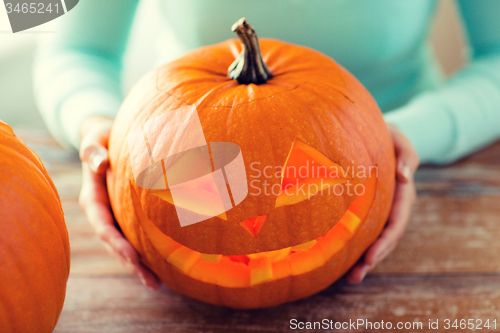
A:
x,y
267,235
34,245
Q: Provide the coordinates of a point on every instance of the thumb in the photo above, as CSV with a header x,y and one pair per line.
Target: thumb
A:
x,y
95,132
407,157
95,155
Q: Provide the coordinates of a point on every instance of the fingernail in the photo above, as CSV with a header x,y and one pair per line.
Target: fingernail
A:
x,y
143,279
152,288
364,271
96,159
406,172
362,276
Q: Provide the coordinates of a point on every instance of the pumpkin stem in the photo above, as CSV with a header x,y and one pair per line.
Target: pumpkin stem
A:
x,y
249,66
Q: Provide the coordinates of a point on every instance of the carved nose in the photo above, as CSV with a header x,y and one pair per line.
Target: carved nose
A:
x,y
254,225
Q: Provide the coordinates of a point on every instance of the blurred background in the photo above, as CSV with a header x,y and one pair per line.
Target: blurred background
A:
x,y
17,105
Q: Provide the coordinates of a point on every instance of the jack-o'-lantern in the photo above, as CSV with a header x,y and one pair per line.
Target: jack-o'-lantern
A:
x,y
249,175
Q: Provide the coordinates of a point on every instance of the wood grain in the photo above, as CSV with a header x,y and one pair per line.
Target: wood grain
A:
x,y
446,266
121,304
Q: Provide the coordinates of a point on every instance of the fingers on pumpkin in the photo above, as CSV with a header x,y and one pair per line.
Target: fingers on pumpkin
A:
x,y
407,157
394,230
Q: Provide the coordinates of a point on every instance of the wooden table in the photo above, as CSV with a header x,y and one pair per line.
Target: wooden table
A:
x,y
447,265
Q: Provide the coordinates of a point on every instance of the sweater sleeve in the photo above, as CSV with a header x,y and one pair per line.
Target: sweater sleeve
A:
x,y
464,114
77,69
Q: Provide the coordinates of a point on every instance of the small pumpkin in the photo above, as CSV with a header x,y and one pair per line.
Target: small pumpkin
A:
x,y
271,108
34,244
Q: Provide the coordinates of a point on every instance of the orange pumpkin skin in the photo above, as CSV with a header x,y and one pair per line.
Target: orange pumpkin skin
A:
x,y
34,244
309,98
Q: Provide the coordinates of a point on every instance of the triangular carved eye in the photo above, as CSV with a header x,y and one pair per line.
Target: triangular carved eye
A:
x,y
307,172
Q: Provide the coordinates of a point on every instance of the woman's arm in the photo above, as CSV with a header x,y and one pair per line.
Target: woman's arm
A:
x,y
77,85
463,115
77,69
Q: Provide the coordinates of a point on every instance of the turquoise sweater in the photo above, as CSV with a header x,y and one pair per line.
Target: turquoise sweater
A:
x,y
384,43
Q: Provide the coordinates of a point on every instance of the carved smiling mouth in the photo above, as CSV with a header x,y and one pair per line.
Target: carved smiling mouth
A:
x,y
252,269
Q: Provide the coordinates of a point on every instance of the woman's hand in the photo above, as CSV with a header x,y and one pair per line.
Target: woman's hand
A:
x,y
94,197
404,198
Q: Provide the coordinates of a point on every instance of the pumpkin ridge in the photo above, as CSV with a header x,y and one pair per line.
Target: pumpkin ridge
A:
x,y
253,100
42,210
202,69
168,93
268,97
336,88
341,123
315,121
206,98
203,98
59,226
21,269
